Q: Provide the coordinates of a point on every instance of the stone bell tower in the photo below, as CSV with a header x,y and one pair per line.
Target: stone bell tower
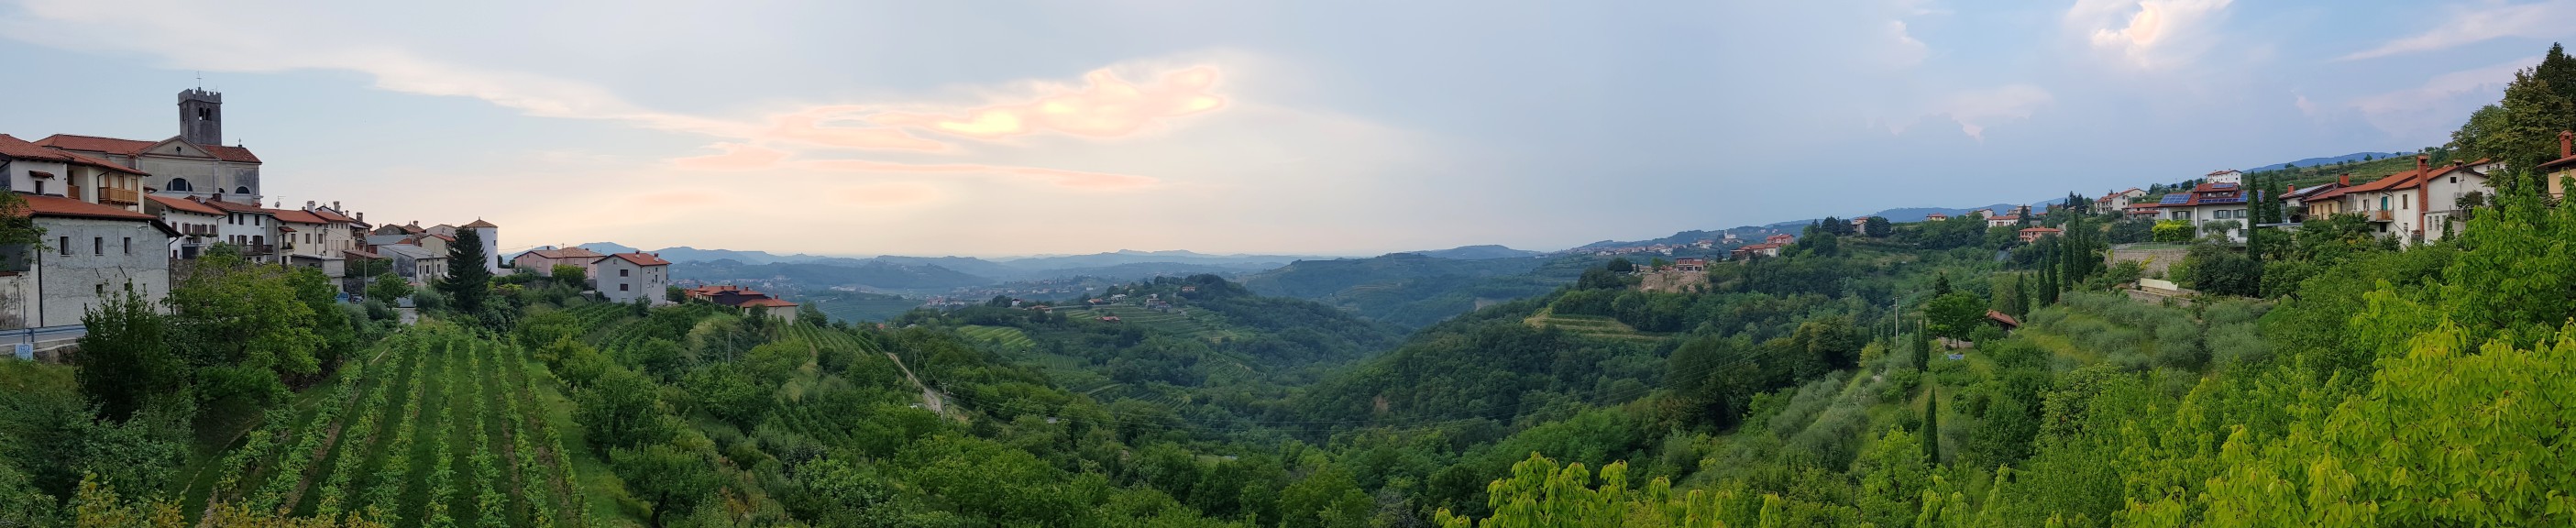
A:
x,y
201,117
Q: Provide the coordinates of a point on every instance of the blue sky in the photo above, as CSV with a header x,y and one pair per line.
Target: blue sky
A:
x,y
1317,127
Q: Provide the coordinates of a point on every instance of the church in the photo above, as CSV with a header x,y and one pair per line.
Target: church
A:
x,y
193,164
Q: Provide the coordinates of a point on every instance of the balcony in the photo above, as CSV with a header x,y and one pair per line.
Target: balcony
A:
x,y
2383,215
258,249
123,196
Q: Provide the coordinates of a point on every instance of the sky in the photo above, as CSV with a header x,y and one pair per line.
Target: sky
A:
x,y
1288,127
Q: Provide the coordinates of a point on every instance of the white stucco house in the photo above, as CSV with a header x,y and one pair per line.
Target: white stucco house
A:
x,y
625,277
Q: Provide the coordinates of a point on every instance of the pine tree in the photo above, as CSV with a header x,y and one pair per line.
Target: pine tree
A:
x,y
1941,285
468,283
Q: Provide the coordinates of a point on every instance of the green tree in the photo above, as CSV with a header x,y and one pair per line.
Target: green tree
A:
x,y
125,360
671,477
570,275
387,286
622,409
242,328
1932,423
1326,498
468,282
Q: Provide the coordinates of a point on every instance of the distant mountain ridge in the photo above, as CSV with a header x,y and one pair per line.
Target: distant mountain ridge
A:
x,y
2312,162
1478,252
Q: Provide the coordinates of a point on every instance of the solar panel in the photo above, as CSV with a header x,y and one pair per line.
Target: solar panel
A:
x,y
2175,199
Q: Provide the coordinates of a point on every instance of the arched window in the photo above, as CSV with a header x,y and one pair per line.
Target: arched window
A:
x,y
245,190
180,184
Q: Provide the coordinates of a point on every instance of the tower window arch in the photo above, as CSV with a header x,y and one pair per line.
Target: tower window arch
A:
x,y
243,190
180,184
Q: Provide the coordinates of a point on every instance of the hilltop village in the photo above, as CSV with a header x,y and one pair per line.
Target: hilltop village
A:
x,y
121,215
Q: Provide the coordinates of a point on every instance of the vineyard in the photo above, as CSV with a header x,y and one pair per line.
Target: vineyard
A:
x,y
1008,338
438,428
1172,322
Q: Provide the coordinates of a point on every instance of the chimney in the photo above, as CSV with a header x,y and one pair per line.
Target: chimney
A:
x,y
362,217
335,205
2422,162
308,205
2344,180
2565,148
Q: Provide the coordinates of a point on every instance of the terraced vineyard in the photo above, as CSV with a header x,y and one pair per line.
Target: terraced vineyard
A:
x,y
1183,323
1588,326
439,428
1003,336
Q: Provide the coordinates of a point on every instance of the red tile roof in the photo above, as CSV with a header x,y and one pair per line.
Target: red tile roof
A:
x,y
234,154
566,253
236,207
184,204
131,147
16,148
478,222
57,206
643,259
326,214
300,217
766,303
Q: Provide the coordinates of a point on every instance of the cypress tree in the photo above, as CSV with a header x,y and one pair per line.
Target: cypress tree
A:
x,y
1932,423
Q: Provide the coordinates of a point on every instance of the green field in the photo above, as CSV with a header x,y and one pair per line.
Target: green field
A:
x,y
437,429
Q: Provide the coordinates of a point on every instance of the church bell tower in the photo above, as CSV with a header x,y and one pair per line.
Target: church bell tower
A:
x,y
201,117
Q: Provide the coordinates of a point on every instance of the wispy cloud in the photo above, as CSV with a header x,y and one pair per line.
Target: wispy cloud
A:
x,y
1974,110
2427,111
2149,34
1105,106
2483,22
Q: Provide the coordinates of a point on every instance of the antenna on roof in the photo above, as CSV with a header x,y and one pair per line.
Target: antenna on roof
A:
x,y
201,80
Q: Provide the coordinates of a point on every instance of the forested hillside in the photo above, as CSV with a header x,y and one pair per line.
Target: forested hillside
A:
x,y
1412,290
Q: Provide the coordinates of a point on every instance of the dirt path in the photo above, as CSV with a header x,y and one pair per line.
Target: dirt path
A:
x,y
929,398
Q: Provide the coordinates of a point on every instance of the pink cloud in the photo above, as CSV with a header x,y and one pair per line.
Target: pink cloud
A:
x,y
1059,177
887,195
743,157
1108,107
736,156
813,126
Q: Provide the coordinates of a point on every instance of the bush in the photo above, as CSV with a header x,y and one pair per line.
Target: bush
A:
x,y
2176,231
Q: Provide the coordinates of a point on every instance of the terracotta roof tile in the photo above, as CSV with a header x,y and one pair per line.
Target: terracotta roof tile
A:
x,y
766,302
57,206
643,259
17,148
478,222
131,147
300,217
184,204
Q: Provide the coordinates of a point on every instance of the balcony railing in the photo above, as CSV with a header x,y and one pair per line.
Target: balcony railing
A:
x,y
2383,215
258,249
123,196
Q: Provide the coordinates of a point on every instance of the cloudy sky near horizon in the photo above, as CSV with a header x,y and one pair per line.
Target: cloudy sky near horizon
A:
x,y
1309,127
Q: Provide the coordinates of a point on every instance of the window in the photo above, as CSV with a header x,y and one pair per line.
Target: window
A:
x,y
129,245
98,245
65,246
244,190
621,287
622,273
180,184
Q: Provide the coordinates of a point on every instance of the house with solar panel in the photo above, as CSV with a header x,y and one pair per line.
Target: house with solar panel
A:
x,y
2216,208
